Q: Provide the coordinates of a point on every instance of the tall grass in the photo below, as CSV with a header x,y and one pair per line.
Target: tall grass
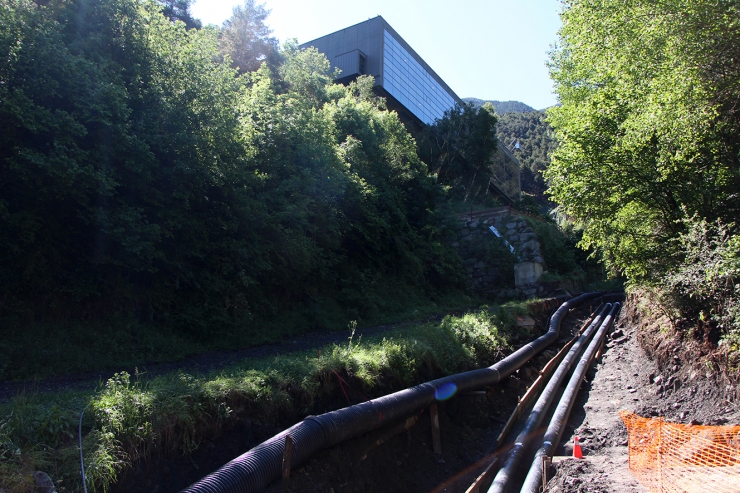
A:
x,y
130,418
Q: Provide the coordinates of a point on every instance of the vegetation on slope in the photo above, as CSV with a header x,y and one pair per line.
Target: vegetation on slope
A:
x,y
131,418
502,107
142,178
536,144
649,148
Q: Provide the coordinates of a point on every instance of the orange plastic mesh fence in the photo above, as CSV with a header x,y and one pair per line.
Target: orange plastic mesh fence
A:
x,y
670,457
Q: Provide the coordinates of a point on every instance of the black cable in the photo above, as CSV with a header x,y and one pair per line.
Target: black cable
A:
x,y
82,463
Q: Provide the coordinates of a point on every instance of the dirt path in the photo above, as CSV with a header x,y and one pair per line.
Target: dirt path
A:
x,y
626,378
201,362
619,380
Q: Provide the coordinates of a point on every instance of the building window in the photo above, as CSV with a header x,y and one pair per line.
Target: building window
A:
x,y
406,80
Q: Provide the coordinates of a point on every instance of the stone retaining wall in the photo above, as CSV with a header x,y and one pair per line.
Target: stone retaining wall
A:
x,y
489,260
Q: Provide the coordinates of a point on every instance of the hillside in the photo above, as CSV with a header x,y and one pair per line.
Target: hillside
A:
x,y
502,107
536,143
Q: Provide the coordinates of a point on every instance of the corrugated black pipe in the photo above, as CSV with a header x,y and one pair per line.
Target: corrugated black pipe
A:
x,y
534,420
562,412
254,470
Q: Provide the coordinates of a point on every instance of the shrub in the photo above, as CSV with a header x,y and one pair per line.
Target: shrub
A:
x,y
703,285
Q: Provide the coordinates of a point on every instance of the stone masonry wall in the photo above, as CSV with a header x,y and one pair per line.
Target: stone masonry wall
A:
x,y
491,268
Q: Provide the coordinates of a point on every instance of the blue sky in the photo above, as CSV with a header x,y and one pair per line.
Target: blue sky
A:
x,y
489,49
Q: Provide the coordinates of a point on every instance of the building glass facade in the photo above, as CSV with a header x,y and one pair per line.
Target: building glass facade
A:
x,y
406,80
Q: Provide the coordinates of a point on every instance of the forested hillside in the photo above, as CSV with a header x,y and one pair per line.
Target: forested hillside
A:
x,y
536,144
145,174
502,107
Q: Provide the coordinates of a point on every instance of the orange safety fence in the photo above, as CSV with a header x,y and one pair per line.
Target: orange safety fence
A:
x,y
671,457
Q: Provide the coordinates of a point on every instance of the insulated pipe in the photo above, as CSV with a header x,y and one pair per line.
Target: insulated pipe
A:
x,y
254,470
554,430
516,454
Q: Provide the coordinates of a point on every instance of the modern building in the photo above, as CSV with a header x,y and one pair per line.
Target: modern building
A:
x,y
373,47
408,84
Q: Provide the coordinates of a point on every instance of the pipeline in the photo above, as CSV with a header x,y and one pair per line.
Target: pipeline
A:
x,y
537,414
562,412
254,470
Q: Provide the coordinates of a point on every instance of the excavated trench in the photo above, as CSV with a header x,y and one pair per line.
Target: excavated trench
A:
x,y
395,458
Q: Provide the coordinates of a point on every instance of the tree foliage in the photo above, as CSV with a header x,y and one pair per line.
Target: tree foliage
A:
x,y
179,10
245,37
648,123
141,174
501,107
458,147
536,144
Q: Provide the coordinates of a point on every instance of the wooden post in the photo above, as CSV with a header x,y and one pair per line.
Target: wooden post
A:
x,y
287,456
436,443
546,464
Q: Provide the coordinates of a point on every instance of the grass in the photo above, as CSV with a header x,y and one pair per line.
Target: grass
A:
x,y
43,350
132,418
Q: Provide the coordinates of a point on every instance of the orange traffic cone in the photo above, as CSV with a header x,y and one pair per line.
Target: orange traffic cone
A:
x,y
577,453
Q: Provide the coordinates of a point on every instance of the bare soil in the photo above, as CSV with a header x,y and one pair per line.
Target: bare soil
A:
x,y
649,369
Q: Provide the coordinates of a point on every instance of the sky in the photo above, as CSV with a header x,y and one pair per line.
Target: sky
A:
x,y
487,49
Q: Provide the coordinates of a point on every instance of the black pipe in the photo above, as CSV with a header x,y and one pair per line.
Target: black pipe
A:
x,y
516,454
562,412
254,470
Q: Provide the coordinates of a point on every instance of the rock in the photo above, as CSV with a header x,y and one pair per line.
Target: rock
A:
x,y
657,380
525,321
526,273
531,245
44,484
620,340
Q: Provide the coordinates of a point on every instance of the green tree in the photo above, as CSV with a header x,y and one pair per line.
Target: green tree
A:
x,y
179,10
647,124
141,175
245,37
536,143
458,148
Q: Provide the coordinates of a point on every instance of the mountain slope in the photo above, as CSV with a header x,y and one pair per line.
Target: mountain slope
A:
x,y
536,143
502,107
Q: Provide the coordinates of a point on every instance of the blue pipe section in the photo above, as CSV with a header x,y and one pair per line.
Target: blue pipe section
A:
x,y
253,471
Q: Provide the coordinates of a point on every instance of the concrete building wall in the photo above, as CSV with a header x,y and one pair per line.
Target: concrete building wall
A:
x,y
367,37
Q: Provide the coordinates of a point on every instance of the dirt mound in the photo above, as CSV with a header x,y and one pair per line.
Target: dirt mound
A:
x,y
578,476
692,381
